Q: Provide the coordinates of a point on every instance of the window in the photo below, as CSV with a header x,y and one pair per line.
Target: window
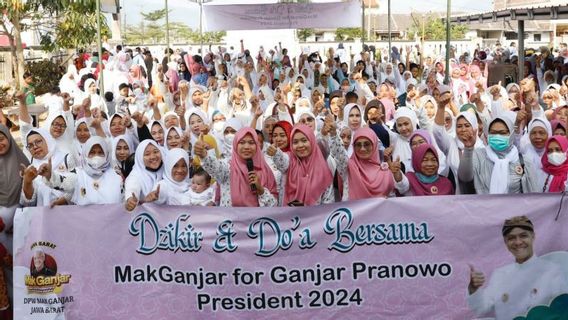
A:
x,y
537,37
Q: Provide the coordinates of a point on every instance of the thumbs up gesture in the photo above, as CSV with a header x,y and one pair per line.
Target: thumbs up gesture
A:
x,y
271,150
200,147
153,196
131,203
476,279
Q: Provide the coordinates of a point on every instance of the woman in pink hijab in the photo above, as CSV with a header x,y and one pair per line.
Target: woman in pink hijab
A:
x,y
555,164
308,178
241,187
425,180
135,74
363,175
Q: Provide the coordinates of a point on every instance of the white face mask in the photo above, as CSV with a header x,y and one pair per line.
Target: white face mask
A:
x,y
96,162
556,158
229,139
218,126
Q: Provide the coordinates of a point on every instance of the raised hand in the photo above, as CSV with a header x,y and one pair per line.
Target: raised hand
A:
x,y
131,202
153,196
271,150
45,170
476,279
200,147
28,173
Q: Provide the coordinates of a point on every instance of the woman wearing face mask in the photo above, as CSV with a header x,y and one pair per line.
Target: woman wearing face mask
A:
x,y
46,158
147,172
174,188
239,186
497,168
425,180
363,175
229,130
555,165
95,182
123,155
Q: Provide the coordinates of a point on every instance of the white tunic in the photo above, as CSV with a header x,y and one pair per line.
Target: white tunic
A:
x,y
516,288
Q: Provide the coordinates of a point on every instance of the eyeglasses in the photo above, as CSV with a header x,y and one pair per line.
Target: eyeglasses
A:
x,y
34,144
361,145
308,119
59,126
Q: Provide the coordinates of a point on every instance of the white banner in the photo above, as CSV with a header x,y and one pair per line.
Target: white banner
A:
x,y
282,16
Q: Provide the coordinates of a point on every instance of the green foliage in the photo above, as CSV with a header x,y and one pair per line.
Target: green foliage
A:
x,y
435,29
46,75
154,16
179,32
342,34
304,34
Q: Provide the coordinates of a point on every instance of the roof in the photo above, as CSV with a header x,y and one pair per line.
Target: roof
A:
x,y
399,21
531,12
5,42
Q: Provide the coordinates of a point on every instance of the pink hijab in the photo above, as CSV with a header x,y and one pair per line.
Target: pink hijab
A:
x,y
559,173
389,108
173,78
308,177
241,196
442,185
368,178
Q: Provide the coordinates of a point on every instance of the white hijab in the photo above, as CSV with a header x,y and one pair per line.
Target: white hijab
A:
x,y
140,174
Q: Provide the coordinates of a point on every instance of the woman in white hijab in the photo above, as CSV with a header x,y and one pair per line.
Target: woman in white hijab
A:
x,y
498,168
97,102
147,172
123,149
229,130
46,158
353,116
532,147
95,182
174,188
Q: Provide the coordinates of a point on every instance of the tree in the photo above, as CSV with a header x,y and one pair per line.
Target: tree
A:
x,y
435,29
304,34
342,34
21,15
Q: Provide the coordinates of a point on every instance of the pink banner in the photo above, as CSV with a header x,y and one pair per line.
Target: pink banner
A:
x,y
404,258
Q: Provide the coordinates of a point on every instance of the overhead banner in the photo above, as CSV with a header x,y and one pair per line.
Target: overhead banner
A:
x,y
282,16
404,258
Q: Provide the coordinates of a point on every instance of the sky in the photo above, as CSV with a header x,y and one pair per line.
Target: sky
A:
x,y
187,11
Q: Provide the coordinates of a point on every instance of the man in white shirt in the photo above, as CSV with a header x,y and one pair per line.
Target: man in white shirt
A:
x,y
516,288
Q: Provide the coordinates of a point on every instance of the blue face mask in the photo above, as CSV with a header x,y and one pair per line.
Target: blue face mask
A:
x,y
426,179
498,142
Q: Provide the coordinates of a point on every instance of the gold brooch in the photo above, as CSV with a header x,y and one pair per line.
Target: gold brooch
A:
x,y
434,189
96,185
83,192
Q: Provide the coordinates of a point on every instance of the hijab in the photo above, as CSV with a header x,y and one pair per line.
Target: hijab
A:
x,y
167,132
57,156
227,142
10,179
308,177
440,185
347,109
368,178
95,172
172,157
500,174
126,138
241,196
287,127
140,174
558,173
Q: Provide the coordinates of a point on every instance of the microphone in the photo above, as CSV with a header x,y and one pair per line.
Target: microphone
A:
x,y
250,167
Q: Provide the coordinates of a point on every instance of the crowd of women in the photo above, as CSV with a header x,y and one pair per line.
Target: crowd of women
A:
x,y
227,129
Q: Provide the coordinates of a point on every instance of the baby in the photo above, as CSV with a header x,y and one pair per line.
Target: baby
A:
x,y
201,192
